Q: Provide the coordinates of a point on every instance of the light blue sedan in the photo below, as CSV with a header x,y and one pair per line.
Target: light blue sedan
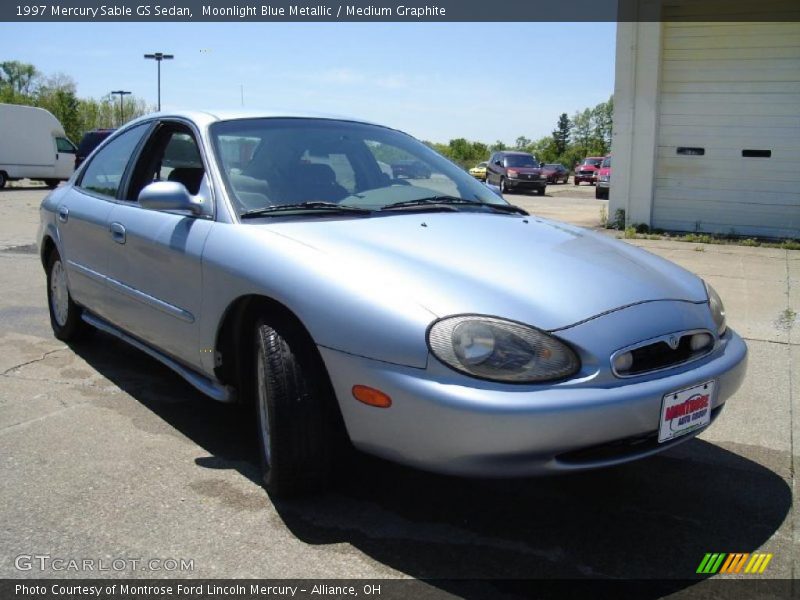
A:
x,y
270,259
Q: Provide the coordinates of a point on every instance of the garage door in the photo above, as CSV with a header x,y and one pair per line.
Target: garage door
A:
x,y
728,153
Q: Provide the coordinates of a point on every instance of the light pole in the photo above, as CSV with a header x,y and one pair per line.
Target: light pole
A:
x,y
158,57
121,94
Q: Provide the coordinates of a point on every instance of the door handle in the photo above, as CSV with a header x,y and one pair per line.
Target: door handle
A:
x,y
63,214
118,233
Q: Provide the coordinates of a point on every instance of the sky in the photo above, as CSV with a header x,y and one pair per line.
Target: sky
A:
x,y
436,81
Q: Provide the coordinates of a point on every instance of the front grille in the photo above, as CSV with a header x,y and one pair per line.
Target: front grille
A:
x,y
669,351
587,172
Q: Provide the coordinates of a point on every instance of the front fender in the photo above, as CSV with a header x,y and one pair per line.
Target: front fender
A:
x,y
343,306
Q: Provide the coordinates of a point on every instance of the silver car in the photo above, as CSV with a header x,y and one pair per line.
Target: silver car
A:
x,y
269,259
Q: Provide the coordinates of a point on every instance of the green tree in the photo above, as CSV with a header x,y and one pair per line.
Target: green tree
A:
x,y
522,143
561,134
19,77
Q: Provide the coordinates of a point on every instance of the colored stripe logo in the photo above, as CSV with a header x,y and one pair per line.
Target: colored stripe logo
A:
x,y
721,562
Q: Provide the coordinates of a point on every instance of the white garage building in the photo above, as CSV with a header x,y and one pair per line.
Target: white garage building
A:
x,y
707,121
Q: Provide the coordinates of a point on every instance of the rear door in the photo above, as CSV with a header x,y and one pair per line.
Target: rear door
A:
x,y
82,219
155,261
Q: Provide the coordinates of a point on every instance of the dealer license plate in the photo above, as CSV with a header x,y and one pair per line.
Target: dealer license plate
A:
x,y
685,411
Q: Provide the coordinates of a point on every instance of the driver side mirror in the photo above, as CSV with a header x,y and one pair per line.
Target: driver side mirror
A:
x,y
169,195
499,163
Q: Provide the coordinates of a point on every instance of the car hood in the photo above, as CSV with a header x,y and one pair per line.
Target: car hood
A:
x,y
525,170
544,273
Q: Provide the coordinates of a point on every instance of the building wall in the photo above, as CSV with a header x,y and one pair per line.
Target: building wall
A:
x,y
716,88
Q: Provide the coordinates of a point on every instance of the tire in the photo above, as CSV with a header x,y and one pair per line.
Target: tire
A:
x,y
65,315
576,182
503,188
598,195
299,425
52,183
3,180
540,191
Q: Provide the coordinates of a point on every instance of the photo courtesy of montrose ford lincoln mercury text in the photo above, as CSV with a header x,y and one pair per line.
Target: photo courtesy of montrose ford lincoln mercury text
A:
x,y
277,259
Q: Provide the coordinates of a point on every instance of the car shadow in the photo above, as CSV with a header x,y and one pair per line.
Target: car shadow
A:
x,y
650,520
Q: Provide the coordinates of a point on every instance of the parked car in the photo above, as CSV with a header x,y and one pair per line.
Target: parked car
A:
x,y
603,189
515,171
587,170
479,171
440,327
556,172
90,140
411,169
33,145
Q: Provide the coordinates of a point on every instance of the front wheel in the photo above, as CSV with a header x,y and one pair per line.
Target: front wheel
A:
x,y
3,180
503,188
65,315
298,419
52,183
576,182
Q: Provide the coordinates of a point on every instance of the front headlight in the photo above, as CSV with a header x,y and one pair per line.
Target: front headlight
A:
x,y
717,309
500,350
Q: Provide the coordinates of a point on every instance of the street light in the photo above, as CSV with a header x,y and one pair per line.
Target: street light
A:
x,y
158,57
121,93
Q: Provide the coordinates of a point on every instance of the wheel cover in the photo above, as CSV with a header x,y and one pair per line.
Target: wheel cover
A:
x,y
59,294
263,410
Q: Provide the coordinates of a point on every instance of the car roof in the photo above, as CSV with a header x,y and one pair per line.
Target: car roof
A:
x,y
515,152
207,117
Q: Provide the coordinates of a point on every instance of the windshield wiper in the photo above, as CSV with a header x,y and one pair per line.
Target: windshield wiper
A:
x,y
448,201
431,201
316,205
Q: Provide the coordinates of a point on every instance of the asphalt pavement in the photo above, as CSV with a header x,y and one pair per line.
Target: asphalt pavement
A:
x,y
105,454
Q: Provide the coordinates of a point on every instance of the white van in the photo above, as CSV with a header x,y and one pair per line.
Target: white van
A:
x,y
33,146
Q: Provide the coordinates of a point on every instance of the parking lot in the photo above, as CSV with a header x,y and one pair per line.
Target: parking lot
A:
x,y
107,454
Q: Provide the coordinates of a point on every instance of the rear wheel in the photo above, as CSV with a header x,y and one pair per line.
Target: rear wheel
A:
x,y
52,183
3,180
298,420
65,315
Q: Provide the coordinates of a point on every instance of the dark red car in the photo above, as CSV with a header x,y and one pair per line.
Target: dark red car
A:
x,y
587,170
603,189
513,171
555,173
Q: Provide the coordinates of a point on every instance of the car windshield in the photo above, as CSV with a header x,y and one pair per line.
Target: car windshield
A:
x,y
607,162
595,162
520,160
552,166
279,166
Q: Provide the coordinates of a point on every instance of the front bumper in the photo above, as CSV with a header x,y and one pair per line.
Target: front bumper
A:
x,y
589,178
450,424
604,185
526,184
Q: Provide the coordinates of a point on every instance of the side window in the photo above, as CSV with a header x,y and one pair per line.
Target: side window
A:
x,y
176,157
104,174
65,146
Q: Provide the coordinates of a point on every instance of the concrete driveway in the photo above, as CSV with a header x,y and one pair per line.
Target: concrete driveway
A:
x,y
104,454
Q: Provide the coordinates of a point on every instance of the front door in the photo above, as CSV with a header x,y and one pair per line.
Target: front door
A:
x,y
155,263
65,158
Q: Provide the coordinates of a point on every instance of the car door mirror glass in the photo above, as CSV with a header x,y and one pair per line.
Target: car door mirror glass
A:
x,y
170,195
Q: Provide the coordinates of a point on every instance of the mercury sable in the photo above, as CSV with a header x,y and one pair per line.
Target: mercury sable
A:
x,y
276,259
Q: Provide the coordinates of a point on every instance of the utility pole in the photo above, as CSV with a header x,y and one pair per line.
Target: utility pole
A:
x,y
158,57
121,93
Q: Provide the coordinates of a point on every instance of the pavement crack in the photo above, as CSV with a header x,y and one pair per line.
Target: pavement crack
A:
x,y
9,370
14,426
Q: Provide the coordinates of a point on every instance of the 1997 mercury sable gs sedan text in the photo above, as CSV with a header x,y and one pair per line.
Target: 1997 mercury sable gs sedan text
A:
x,y
277,259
